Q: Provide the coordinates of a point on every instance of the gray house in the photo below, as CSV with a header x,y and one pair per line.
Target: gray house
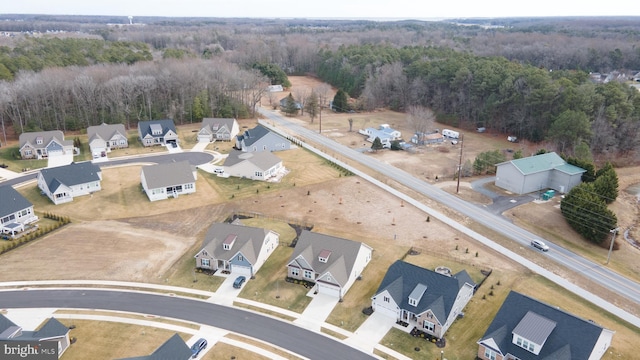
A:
x,y
62,184
103,138
172,179
428,300
527,329
236,249
42,144
261,139
174,349
15,211
263,166
157,132
51,331
535,173
221,129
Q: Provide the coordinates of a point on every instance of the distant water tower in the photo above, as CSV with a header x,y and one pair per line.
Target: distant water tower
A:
x,y
130,20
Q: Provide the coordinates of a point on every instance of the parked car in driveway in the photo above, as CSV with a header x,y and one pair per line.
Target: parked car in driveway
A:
x,y
197,347
539,245
237,284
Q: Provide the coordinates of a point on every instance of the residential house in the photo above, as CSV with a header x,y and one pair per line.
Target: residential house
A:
x,y
535,173
263,166
106,137
157,132
420,138
237,249
426,299
51,331
261,139
62,184
172,179
15,211
221,129
332,263
384,132
42,144
527,329
173,349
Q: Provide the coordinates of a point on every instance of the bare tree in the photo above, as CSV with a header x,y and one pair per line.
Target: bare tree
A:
x,y
420,118
301,95
323,93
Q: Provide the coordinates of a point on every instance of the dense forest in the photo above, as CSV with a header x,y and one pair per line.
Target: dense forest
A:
x,y
532,78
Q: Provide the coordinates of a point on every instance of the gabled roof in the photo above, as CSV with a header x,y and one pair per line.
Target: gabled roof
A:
x,y
70,175
172,349
47,136
169,174
145,126
52,328
12,201
543,162
402,278
5,324
263,160
571,337
214,124
248,241
105,131
340,264
250,136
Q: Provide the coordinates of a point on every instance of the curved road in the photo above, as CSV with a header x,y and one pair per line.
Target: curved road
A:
x,y
303,342
593,271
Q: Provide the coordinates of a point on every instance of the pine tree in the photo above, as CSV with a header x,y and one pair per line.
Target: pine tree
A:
x,y
377,144
290,106
340,103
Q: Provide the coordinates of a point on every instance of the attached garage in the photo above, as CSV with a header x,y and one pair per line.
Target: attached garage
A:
x,y
328,289
206,138
389,309
241,270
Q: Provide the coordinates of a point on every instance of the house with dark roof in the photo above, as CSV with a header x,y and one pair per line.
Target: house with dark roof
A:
x,y
157,132
220,129
15,211
527,329
263,166
539,172
173,349
261,139
237,249
426,299
172,179
42,144
62,184
51,331
103,138
332,263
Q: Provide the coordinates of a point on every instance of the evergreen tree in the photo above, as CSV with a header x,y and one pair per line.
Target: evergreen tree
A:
x,y
340,103
606,183
290,106
377,144
518,155
312,106
587,213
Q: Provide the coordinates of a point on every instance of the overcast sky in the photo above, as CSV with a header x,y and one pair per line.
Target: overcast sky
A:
x,y
383,9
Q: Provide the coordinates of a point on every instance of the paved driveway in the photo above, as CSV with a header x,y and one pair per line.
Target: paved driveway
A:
x,y
371,332
317,311
60,160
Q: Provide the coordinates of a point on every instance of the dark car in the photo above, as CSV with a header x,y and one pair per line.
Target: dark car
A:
x,y
197,347
239,281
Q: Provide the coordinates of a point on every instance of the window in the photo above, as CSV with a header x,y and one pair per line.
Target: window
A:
x,y
240,258
295,272
429,326
308,274
205,262
489,354
413,302
258,174
386,299
226,246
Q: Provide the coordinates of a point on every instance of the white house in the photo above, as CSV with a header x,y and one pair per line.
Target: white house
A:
x,y
103,138
42,144
15,211
221,129
62,184
263,166
237,249
51,335
157,132
428,300
172,179
384,132
332,263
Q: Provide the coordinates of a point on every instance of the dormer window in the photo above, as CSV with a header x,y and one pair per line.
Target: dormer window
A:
x,y
39,140
532,332
227,244
324,255
156,129
416,294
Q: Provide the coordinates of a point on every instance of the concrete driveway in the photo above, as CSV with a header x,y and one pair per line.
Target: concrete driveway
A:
x,y
59,160
317,311
371,332
226,293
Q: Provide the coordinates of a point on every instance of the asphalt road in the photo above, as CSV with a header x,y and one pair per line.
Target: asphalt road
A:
x,y
280,333
596,272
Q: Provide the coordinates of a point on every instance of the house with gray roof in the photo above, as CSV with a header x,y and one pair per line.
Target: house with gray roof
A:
x,y
539,172
263,166
42,144
51,331
426,299
61,184
384,132
173,349
103,138
15,211
172,179
332,263
236,249
261,139
157,132
527,329
220,129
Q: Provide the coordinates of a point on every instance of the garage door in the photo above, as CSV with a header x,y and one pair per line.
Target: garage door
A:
x,y
204,138
328,290
386,309
241,270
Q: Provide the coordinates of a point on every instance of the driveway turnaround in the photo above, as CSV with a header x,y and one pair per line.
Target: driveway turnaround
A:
x,y
302,342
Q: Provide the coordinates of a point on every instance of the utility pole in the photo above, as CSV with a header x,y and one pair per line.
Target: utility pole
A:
x,y
460,163
613,239
320,120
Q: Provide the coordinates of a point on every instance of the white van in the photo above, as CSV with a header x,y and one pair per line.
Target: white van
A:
x,y
450,134
539,245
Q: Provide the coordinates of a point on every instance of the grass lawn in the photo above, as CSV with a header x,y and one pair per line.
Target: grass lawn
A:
x,y
9,156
